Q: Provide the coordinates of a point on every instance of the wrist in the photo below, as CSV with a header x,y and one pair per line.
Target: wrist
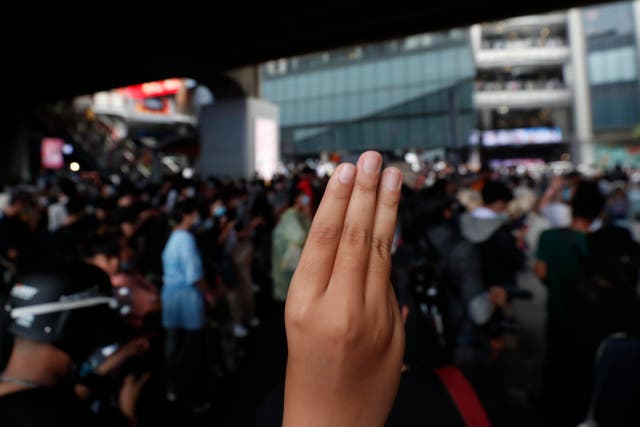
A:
x,y
305,406
128,409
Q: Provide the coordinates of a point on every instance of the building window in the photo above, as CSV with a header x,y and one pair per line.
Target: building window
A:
x,y
613,65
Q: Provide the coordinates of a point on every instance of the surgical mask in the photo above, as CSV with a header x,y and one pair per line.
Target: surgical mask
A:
x,y
197,221
305,200
127,265
219,211
566,194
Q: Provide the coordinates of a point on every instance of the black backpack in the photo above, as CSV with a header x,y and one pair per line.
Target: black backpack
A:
x,y
500,258
612,261
418,278
614,258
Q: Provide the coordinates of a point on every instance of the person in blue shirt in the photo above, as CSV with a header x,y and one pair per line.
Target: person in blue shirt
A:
x,y
185,294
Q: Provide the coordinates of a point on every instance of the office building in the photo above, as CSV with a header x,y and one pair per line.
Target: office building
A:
x,y
562,85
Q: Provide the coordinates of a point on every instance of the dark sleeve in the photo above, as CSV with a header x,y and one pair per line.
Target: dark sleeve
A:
x,y
463,267
400,275
3,238
501,258
106,417
512,256
270,413
543,253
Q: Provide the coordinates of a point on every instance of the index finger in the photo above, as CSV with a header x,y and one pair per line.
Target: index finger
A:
x,y
318,256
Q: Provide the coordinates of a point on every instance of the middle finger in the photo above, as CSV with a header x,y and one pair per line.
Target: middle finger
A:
x,y
355,242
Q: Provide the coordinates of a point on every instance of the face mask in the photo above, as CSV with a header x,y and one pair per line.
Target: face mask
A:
x,y
219,211
191,192
566,194
126,265
305,200
197,221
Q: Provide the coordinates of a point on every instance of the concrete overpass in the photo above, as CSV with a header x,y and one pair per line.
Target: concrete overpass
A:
x,y
56,51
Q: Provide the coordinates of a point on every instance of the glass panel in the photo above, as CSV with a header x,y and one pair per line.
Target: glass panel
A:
x,y
610,19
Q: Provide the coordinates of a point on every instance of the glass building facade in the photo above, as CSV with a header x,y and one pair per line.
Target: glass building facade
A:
x,y
612,66
415,92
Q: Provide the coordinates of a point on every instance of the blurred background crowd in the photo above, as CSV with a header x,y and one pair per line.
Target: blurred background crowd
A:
x,y
205,265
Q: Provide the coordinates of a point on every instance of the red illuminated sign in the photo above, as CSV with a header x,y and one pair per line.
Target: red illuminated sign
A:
x,y
153,89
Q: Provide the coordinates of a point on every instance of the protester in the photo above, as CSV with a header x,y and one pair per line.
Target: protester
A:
x,y
185,295
288,239
560,265
499,242
53,336
463,266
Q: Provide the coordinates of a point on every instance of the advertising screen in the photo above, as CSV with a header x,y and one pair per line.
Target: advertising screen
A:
x,y
52,156
266,147
540,135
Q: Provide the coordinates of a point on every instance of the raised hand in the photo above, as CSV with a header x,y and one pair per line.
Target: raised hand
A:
x,y
344,330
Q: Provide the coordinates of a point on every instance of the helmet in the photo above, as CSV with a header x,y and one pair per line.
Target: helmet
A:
x,y
72,308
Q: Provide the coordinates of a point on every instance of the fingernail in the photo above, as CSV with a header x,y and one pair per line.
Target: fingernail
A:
x,y
347,173
371,163
392,179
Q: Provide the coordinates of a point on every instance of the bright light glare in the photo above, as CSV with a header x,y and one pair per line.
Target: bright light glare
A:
x,y
75,167
187,173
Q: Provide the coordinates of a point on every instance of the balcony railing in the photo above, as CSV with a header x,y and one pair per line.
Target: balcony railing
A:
x,y
526,56
518,85
523,99
524,43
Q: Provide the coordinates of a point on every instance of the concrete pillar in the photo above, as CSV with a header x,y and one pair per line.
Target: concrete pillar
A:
x,y
475,34
636,22
583,149
477,154
239,138
14,163
249,79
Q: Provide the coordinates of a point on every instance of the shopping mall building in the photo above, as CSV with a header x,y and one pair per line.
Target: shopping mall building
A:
x,y
563,85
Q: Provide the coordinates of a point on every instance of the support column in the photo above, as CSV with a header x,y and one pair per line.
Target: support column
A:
x,y
636,22
583,144
14,164
475,35
239,138
249,79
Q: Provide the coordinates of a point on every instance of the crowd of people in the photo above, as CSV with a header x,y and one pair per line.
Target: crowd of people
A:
x,y
140,283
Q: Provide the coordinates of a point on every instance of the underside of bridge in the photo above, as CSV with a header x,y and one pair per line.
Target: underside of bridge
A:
x,y
59,50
